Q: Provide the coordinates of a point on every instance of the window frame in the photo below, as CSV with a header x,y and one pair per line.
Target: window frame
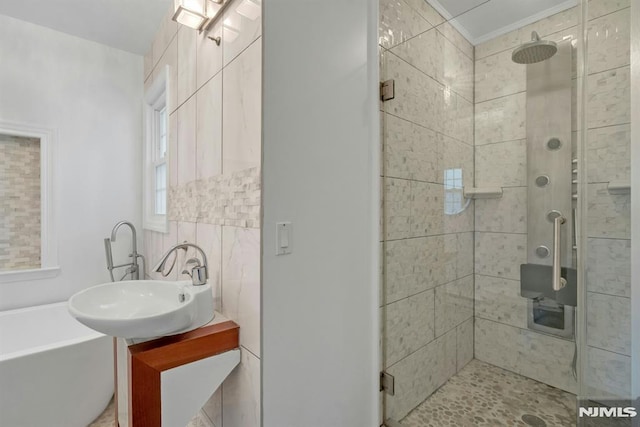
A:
x,y
49,266
155,99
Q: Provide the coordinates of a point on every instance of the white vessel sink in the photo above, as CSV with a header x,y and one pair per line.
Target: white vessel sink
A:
x,y
143,308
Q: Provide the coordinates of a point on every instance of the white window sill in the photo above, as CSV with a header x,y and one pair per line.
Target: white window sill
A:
x,y
24,275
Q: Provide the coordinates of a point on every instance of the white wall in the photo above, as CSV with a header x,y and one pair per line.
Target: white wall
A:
x,y
320,171
90,95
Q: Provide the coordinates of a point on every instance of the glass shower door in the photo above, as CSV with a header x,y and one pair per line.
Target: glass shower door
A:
x,y
506,216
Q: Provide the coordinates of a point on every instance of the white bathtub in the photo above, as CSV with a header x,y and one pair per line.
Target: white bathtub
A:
x,y
54,372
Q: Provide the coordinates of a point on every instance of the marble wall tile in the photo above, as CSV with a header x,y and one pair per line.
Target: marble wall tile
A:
x,y
608,374
241,393
497,76
420,374
208,55
448,357
609,266
609,322
464,257
411,151
242,25
501,119
599,8
213,408
464,344
209,129
186,233
412,266
608,214
425,10
461,221
456,155
498,44
399,22
397,208
418,97
424,51
608,98
152,250
187,142
496,343
526,353
502,165
507,214
551,24
453,304
546,26
535,353
458,40
164,36
242,104
499,300
457,117
209,238
500,254
186,63
169,60
609,41
609,154
448,258
427,212
433,54
241,283
465,121
409,325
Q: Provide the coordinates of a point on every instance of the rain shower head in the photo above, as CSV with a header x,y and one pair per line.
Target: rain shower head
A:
x,y
534,51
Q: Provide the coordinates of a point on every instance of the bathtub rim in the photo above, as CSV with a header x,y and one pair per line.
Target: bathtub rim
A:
x,y
89,336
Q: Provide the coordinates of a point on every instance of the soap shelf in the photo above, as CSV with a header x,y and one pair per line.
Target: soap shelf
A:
x,y
619,187
482,192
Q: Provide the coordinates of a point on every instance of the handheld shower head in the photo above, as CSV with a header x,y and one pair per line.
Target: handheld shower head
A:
x,y
534,51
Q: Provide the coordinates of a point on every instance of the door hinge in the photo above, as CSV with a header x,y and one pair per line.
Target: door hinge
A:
x,y
387,90
387,383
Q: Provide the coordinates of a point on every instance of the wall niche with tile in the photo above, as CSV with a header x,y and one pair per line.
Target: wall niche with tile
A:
x,y
20,203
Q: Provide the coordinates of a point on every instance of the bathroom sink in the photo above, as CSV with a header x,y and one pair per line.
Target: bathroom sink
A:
x,y
143,308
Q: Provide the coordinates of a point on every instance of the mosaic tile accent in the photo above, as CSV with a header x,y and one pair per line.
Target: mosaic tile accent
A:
x,y
232,200
19,203
484,395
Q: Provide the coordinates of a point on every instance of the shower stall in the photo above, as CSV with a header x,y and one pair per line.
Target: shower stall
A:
x,y
505,239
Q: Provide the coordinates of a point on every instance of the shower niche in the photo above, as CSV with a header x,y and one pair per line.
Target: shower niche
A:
x,y
549,279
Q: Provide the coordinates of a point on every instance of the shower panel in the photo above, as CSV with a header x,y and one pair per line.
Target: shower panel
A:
x,y
548,279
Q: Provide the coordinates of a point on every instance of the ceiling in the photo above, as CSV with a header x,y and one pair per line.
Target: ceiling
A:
x,y
482,20
129,25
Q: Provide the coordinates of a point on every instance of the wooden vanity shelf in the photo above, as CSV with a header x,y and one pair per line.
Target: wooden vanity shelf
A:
x,y
148,360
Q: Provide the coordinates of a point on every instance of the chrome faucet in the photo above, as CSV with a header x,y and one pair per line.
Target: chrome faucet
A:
x,y
198,273
132,268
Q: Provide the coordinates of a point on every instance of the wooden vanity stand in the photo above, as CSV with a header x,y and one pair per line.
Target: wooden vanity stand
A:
x,y
146,361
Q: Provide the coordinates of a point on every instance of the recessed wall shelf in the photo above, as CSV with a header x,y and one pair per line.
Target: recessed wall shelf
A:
x,y
482,192
619,187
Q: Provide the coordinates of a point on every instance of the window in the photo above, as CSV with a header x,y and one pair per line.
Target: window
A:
x,y
155,155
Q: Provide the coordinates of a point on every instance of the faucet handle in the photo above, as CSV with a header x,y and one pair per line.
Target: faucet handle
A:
x,y
199,275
